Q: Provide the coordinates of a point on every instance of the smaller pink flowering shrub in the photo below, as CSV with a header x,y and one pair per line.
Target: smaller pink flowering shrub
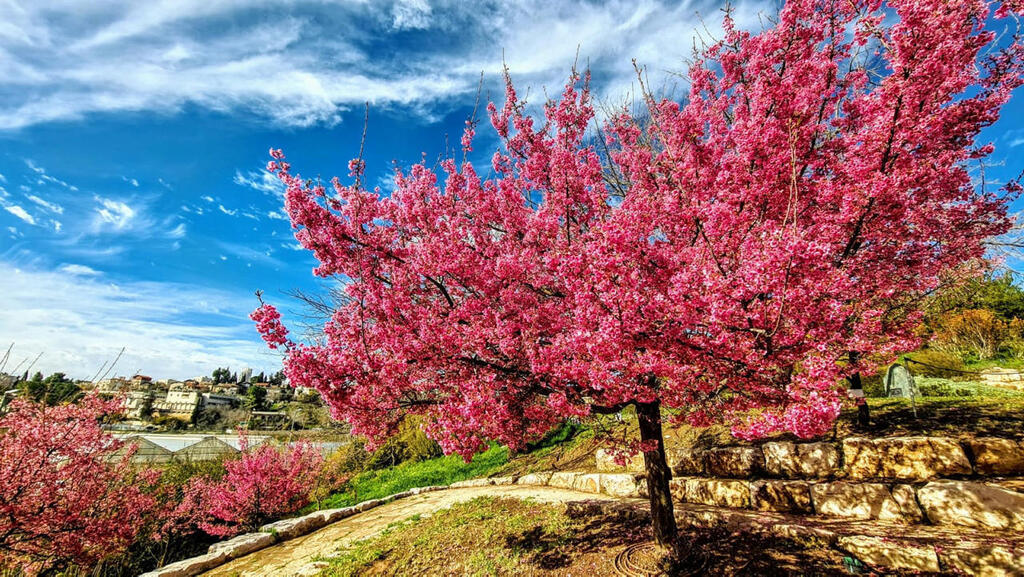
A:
x,y
267,482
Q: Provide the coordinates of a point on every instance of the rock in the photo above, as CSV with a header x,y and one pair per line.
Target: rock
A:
x,y
882,552
910,458
367,505
862,501
606,462
685,462
623,485
541,478
982,560
994,456
972,505
563,479
588,483
735,462
502,480
191,566
906,500
781,496
800,460
291,528
470,483
430,489
333,515
243,544
716,492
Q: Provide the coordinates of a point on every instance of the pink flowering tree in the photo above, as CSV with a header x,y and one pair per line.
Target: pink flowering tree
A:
x,y
724,257
266,482
68,494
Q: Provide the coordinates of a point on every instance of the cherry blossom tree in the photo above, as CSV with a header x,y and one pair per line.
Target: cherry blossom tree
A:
x,y
68,494
267,481
725,256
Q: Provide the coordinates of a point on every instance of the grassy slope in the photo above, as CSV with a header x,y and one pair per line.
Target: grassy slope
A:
x,y
491,536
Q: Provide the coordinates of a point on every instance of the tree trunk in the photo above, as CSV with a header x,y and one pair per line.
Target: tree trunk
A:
x,y
658,476
863,416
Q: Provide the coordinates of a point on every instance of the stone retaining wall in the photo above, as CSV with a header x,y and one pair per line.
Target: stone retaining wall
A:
x,y
906,459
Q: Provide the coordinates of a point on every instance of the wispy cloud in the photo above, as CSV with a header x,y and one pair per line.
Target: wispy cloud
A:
x,y
168,329
132,181
260,180
274,215
20,213
79,270
43,177
51,206
113,215
227,211
305,62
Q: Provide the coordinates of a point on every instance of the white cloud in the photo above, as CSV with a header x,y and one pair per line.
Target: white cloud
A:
x,y
304,62
118,215
3,178
260,180
79,270
20,213
227,211
51,206
410,14
168,329
15,233
207,198
274,215
178,231
132,181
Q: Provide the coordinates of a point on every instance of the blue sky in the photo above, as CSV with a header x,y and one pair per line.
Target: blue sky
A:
x,y
133,137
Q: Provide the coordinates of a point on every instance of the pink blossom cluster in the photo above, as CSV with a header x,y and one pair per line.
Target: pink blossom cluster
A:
x,y
268,323
723,256
68,495
265,482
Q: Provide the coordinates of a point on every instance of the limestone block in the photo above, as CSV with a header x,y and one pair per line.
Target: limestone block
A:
x,y
910,458
800,460
564,479
541,478
588,483
886,553
191,566
994,456
503,480
333,515
972,505
430,489
735,462
606,462
717,492
862,501
984,560
470,483
367,505
243,544
781,496
298,526
623,485
685,462
906,499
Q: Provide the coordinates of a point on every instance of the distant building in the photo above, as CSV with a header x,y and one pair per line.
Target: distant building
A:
x,y
269,420
209,449
179,402
214,400
147,451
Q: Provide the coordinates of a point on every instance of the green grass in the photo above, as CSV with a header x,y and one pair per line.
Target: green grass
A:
x,y
933,387
440,471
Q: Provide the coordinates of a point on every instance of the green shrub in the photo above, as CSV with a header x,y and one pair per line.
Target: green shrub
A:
x,y
934,363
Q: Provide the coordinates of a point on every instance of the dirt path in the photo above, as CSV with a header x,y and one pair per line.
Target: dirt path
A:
x,y
299,556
